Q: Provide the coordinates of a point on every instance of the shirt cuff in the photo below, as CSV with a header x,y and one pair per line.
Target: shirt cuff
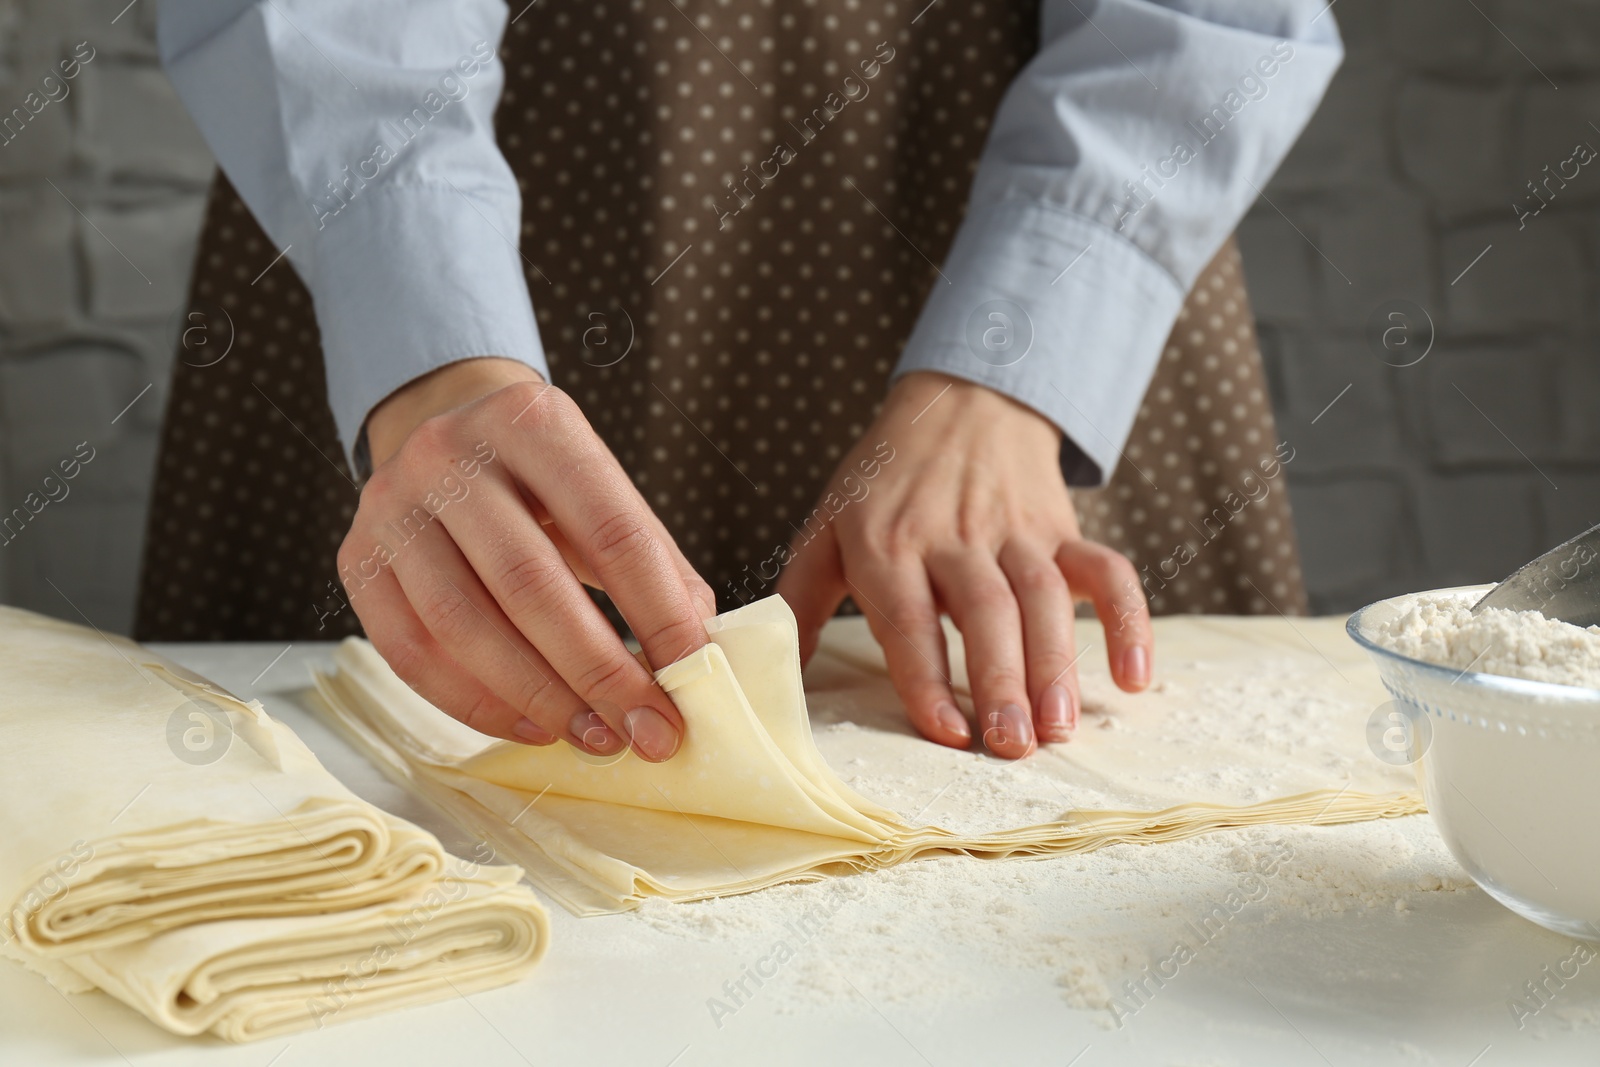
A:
x,y
1057,312
409,281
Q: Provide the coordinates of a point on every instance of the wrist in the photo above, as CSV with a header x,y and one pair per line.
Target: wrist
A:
x,y
934,396
445,389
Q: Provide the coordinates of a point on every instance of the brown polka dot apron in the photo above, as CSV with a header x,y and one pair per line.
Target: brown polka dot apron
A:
x,y
730,215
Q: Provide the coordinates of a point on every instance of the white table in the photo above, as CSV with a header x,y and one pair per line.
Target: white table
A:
x,y
1433,986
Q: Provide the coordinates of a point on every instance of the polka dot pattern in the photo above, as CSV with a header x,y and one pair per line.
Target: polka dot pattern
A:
x,y
252,493
1199,501
766,301
728,359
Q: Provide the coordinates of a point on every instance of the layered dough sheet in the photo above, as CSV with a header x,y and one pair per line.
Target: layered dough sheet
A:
x,y
185,852
750,800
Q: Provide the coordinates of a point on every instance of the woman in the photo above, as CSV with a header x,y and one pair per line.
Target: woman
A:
x,y
730,215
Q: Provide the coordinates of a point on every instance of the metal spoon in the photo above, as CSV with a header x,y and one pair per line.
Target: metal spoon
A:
x,y
1563,584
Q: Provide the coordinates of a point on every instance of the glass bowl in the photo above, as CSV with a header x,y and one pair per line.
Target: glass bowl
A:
x,y
1510,769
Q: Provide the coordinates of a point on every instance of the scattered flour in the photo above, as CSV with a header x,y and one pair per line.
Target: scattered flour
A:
x,y
950,929
1440,628
1090,923
1094,925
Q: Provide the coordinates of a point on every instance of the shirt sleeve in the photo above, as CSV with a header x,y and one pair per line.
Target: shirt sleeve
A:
x,y
360,135
1120,159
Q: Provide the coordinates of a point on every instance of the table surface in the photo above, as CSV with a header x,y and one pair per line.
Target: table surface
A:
x,y
1431,986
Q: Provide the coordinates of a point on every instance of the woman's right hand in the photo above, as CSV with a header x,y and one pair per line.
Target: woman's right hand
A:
x,y
492,502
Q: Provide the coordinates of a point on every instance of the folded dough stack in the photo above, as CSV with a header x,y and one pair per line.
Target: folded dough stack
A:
x,y
179,849
749,801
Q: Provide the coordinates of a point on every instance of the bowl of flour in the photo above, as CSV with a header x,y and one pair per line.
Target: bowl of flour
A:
x,y
1501,713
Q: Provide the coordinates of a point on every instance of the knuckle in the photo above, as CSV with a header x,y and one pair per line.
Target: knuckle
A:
x,y
992,597
1054,657
622,536
996,678
908,619
906,609
699,588
901,536
1106,558
535,695
1118,575
912,618
872,539
408,658
529,582
1037,574
480,713
975,522
532,405
679,636
348,556
429,438
449,616
382,483
1123,572
606,677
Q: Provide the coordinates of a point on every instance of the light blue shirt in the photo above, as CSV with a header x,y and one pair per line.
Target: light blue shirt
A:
x,y
1121,158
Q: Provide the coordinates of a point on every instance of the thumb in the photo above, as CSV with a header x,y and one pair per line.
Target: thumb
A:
x,y
813,586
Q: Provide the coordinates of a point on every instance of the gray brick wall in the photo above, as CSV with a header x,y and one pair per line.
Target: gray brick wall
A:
x,y
1451,470
1463,465
101,194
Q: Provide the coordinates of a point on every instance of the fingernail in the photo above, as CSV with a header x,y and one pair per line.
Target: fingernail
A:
x,y
1136,667
1055,712
951,719
1009,725
531,732
593,733
651,733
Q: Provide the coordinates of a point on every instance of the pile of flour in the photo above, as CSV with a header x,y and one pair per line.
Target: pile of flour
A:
x,y
1440,628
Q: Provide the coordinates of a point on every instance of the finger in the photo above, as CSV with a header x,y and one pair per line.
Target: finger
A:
x,y
420,662
1107,578
1047,637
980,601
547,524
899,607
530,585
603,516
699,590
468,624
812,584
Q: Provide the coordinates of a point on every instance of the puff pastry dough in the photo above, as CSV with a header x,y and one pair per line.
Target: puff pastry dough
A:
x,y
183,851
749,801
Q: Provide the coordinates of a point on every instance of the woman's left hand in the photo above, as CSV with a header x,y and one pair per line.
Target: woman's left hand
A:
x,y
954,501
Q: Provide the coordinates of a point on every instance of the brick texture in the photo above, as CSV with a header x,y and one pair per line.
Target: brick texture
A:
x,y
1427,141
1411,169
100,201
